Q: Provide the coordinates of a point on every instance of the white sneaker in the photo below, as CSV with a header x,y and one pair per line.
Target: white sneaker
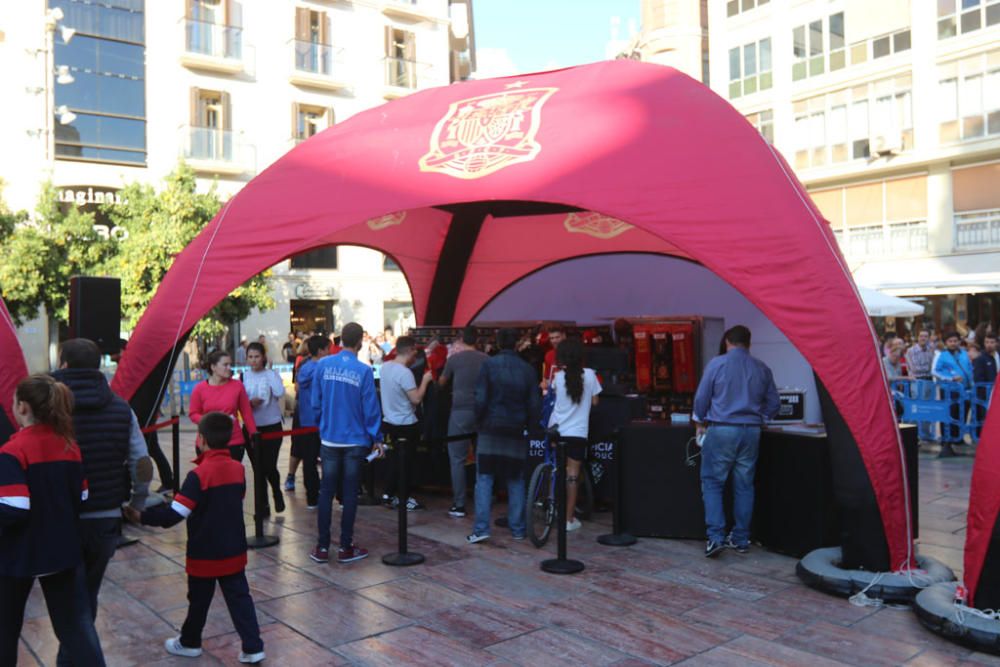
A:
x,y
573,524
174,647
251,658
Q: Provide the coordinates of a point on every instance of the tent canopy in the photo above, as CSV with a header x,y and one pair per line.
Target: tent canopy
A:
x,y
984,499
472,186
12,369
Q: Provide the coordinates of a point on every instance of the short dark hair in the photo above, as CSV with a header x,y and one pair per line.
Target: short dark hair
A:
x,y
80,353
948,335
404,344
469,335
738,335
556,328
351,335
257,347
317,343
216,428
507,339
991,335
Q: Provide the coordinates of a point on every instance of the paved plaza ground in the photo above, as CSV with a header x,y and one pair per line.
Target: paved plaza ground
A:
x,y
658,602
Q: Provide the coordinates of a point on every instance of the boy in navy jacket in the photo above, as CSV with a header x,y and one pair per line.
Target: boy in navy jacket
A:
x,y
211,499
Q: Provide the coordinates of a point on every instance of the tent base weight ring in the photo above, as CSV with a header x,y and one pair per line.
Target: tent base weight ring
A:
x,y
820,569
936,609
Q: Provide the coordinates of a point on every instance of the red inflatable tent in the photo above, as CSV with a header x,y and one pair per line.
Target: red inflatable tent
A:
x,y
471,186
12,368
984,500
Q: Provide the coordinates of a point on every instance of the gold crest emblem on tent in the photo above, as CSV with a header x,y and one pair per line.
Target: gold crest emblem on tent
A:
x,y
390,220
482,135
596,225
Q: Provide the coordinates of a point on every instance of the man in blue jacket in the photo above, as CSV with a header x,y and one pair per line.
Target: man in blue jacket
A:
x,y
350,418
307,446
953,365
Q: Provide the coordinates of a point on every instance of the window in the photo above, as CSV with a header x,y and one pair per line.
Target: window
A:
x,y
211,136
320,258
962,16
809,51
764,122
968,100
400,58
389,264
108,94
750,68
309,120
312,46
734,7
211,29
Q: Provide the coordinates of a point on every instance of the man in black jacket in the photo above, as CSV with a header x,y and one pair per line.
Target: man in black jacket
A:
x,y
984,371
113,450
508,407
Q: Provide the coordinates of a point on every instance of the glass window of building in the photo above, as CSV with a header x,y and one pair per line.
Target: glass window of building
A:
x,y
389,264
963,16
750,68
400,58
212,28
210,135
320,258
734,7
764,122
107,89
968,100
312,41
309,120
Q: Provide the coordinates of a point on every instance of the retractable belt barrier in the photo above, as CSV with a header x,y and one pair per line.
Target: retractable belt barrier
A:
x,y
175,436
259,539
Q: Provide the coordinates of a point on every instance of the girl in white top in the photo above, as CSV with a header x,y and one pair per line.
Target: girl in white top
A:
x,y
265,389
576,391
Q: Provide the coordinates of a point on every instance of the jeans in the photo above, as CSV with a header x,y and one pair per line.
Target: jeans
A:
x,y
339,461
309,454
460,422
729,449
69,611
515,504
236,592
269,450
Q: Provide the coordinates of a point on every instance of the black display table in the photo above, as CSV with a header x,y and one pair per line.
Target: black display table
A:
x,y
794,508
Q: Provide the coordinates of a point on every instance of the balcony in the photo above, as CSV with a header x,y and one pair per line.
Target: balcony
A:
x,y
406,9
212,46
212,151
977,230
897,239
400,77
317,65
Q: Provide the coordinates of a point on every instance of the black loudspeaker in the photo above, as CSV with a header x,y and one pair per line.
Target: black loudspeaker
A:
x,y
95,311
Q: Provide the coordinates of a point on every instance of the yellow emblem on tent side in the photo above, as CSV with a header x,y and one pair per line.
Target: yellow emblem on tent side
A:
x,y
595,224
390,220
481,135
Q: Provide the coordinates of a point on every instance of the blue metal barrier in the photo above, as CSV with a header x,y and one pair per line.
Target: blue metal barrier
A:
x,y
932,406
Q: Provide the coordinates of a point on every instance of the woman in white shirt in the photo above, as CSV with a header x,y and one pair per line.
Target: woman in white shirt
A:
x,y
576,391
265,389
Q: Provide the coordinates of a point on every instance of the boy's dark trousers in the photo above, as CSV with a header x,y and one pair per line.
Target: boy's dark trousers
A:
x,y
236,591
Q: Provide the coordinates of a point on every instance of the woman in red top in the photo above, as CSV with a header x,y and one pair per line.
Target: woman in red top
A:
x,y
221,393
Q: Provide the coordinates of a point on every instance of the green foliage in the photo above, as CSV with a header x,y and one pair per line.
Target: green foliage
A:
x,y
39,256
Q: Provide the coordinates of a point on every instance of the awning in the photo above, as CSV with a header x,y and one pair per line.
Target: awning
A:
x,y
955,274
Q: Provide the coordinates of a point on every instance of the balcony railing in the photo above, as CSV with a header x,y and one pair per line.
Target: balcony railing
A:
x,y
213,39
400,72
889,240
209,149
317,65
977,230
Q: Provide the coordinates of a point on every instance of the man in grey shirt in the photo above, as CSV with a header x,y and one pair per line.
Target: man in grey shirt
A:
x,y
400,397
461,370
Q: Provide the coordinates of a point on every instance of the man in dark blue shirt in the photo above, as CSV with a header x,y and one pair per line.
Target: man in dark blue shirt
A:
x,y
735,397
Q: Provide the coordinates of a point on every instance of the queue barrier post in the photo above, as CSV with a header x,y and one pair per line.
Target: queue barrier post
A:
x,y
403,557
560,564
175,437
618,537
259,540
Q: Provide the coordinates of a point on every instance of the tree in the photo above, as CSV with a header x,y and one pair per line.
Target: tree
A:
x,y
159,225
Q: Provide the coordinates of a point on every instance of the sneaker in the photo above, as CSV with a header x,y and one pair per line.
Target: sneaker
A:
x,y
279,503
474,538
456,511
389,501
351,554
573,524
251,658
713,549
518,537
739,548
174,647
311,507
413,504
320,555
290,483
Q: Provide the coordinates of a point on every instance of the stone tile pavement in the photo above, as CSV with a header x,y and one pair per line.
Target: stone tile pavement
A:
x,y
658,602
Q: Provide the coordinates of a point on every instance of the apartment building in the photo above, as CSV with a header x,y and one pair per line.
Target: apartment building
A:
x,y
674,33
889,112
107,92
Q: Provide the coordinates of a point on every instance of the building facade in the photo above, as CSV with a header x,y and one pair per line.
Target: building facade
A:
x,y
674,33
107,92
889,112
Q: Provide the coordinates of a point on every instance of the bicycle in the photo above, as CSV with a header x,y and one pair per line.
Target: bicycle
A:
x,y
541,501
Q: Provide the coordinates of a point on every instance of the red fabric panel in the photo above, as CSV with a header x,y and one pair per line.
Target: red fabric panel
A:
x,y
638,142
13,369
984,497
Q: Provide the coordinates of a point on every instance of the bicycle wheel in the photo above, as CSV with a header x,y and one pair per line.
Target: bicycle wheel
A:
x,y
584,494
540,505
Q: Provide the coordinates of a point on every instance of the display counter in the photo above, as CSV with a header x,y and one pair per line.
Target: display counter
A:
x,y
794,508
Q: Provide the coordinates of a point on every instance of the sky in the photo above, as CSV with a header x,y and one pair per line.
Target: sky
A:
x,y
520,36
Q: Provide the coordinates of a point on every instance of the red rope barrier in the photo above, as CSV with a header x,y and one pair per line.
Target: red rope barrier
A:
x,y
277,435
161,425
